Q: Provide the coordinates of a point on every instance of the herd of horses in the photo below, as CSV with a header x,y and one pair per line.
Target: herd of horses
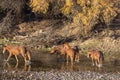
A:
x,y
65,49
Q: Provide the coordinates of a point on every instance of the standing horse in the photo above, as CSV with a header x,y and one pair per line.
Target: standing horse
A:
x,y
97,57
61,50
17,50
69,52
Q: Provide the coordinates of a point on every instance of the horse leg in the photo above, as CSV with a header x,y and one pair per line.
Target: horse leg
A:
x,y
24,56
29,57
25,59
77,58
96,62
93,62
67,58
9,57
100,62
71,57
16,58
16,65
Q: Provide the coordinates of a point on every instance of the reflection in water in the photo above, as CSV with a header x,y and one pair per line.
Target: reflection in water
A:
x,y
47,62
66,67
61,66
16,67
79,67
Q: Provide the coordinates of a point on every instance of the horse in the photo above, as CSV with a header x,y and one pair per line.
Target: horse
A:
x,y
76,51
61,50
17,50
69,52
97,57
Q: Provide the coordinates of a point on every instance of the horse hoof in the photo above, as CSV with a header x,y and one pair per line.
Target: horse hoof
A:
x,y
93,64
77,61
99,65
28,62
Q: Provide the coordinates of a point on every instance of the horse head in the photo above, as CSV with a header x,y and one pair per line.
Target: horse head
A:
x,y
53,50
4,49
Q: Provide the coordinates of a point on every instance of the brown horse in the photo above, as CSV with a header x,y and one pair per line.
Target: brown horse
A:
x,y
96,56
61,50
58,49
17,50
69,52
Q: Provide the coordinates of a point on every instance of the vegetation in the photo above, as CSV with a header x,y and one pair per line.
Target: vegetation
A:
x,y
64,19
83,13
39,6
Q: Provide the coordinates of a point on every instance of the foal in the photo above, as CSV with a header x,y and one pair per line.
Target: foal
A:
x,y
97,57
17,50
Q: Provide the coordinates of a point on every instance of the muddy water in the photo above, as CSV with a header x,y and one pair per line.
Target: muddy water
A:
x,y
42,61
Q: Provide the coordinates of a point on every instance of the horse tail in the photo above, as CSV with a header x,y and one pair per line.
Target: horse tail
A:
x,y
76,49
101,55
25,50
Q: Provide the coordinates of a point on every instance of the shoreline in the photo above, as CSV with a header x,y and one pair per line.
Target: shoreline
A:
x,y
58,75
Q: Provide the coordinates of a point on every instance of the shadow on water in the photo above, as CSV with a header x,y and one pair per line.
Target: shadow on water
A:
x,y
47,62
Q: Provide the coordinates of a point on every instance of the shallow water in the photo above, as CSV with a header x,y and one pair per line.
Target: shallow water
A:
x,y
47,62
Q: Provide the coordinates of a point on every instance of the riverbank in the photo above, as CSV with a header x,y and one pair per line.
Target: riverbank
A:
x,y
58,75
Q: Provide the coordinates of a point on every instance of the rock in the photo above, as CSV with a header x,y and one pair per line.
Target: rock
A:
x,y
58,75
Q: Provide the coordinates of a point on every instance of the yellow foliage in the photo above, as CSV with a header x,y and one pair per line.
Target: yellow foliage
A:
x,y
91,9
108,14
83,2
39,5
69,3
66,9
83,12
